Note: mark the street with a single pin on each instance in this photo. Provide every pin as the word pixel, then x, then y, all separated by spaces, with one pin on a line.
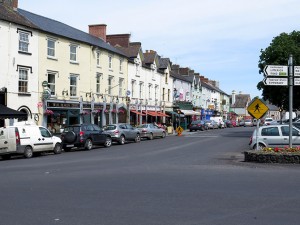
pixel 195 179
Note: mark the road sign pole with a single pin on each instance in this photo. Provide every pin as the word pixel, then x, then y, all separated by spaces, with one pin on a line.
pixel 290 63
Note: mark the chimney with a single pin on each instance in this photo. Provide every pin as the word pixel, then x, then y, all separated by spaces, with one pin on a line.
pixel 11 3
pixel 233 96
pixel 98 30
pixel 118 39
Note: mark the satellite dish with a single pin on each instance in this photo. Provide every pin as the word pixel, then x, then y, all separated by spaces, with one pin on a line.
pixel 128 92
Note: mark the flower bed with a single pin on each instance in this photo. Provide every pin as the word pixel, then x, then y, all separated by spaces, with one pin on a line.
pixel 274 155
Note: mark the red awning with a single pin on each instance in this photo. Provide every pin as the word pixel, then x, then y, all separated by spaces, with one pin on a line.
pixel 136 112
pixel 153 113
pixel 162 114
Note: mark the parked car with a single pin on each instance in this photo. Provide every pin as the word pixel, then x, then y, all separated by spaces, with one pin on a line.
pixel 228 123
pixel 274 136
pixel 242 123
pixel 248 123
pixel 198 125
pixel 84 135
pixel 268 121
pixel 211 124
pixel 254 122
pixel 122 132
pixel 151 131
pixel 27 138
pixel 234 123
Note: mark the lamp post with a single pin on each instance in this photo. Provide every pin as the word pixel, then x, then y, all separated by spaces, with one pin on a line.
pixel 127 99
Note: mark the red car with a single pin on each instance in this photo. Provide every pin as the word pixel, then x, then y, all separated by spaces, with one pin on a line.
pixel 234 123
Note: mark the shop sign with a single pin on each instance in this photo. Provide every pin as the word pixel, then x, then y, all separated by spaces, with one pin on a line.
pixel 63 105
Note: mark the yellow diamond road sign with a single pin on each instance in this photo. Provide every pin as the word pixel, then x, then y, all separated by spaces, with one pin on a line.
pixel 257 108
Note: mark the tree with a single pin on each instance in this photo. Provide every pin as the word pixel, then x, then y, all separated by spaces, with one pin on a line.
pixel 278 54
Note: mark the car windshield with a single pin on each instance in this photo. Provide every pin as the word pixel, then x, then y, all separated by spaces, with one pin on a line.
pixel 142 126
pixel 110 127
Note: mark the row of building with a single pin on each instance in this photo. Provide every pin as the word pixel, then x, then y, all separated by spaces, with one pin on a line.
pixel 59 75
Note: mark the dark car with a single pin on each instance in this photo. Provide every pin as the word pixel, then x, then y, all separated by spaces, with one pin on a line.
pixel 122 132
pixel 84 135
pixel 198 125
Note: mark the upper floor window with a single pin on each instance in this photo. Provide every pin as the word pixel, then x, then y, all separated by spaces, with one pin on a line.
pixel 121 81
pixel 132 88
pixel 23 80
pixel 121 65
pixel 110 66
pixel 98 54
pixel 51 47
pixel 51 82
pixel 149 91
pixel 166 78
pixel 169 93
pixel 73 53
pixel 23 41
pixel 73 85
pixel 163 94
pixel 110 80
pixel 141 90
pixel 98 79
pixel 156 91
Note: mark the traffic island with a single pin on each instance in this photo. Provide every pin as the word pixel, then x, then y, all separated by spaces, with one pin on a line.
pixel 272 157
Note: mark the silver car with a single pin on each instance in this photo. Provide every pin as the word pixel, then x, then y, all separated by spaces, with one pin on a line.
pixel 151 131
pixel 274 136
pixel 122 132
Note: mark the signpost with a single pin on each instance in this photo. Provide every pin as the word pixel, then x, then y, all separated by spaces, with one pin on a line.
pixel 257 108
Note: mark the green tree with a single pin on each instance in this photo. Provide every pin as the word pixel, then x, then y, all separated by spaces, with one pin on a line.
pixel 278 54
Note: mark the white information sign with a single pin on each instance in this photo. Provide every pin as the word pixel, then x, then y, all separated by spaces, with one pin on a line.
pixel 297 81
pixel 276 70
pixel 276 81
pixel 297 71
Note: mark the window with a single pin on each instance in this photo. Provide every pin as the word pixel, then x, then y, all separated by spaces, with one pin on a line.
pixel 110 62
pixel 163 94
pixel 110 79
pixel 23 80
pixel 270 131
pixel 73 85
pixel 121 65
pixel 98 78
pixel 73 53
pixel 286 131
pixel 149 91
pixel 156 89
pixel 98 58
pixel 51 82
pixel 44 132
pixel 169 93
pixel 132 87
pixel 51 47
pixel 141 90
pixel 23 41
pixel 121 80
pixel 166 78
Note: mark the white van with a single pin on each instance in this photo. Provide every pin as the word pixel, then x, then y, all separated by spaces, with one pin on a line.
pixel 27 138
pixel 219 120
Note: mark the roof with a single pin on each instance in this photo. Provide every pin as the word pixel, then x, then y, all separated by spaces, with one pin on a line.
pixel 54 27
pixel 6 112
pixel 7 13
pixel 241 101
pixel 179 77
pixel 132 51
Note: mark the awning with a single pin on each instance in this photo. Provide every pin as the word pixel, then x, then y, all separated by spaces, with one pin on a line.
pixel 136 112
pixel 152 113
pixel 8 113
pixel 190 112
pixel 162 114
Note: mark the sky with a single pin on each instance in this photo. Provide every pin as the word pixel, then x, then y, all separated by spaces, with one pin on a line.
pixel 220 39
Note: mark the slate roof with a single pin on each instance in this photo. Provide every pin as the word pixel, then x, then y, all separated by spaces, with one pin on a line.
pixel 54 27
pixel 132 51
pixel 163 63
pixel 149 57
pixel 179 77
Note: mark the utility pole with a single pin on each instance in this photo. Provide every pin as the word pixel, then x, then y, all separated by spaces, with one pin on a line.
pixel 290 64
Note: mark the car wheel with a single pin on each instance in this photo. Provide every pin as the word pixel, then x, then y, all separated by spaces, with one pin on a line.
pixel 163 135
pixel 57 148
pixel 88 144
pixel 122 140
pixel 137 138
pixel 150 136
pixel 70 137
pixel 28 153
pixel 108 142
pixel 260 146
